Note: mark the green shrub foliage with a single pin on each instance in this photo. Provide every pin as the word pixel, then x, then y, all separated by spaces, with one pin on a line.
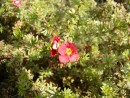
pixel 100 30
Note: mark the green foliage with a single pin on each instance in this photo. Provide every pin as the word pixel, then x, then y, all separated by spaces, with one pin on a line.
pixel 108 90
pixel 24 82
pixel 101 31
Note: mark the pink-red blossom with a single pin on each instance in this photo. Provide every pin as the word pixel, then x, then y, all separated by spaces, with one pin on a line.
pixel 54 45
pixel 68 52
pixel 17 3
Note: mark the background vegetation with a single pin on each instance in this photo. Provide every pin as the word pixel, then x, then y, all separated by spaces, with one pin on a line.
pixel 101 31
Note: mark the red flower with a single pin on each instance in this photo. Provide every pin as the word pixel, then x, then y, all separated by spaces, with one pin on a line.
pixel 55 45
pixel 17 3
pixel 68 52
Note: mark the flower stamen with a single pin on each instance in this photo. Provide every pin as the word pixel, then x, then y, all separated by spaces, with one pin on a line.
pixel 68 51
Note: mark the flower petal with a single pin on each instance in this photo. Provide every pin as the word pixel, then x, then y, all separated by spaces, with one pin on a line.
pixel 55 45
pixel 17 3
pixel 53 52
pixel 74 57
pixel 72 46
pixel 56 38
pixel 63 59
pixel 62 49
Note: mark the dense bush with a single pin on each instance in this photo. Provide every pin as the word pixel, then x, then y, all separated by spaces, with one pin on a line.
pixel 100 31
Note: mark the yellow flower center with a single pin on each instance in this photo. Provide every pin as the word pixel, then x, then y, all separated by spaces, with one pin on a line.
pixel 68 51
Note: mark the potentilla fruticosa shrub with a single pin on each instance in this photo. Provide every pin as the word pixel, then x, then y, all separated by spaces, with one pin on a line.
pixel 64 49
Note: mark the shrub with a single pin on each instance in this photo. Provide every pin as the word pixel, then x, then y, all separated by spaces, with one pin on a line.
pixel 99 30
